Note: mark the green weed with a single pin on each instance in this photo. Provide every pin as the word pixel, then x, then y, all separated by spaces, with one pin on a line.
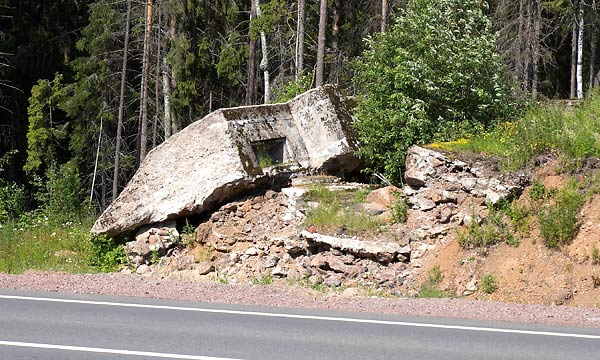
pixel 595 255
pixel 558 219
pixel 488 284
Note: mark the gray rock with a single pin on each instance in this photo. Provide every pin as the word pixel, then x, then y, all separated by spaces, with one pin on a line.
pixel 384 252
pixel 151 239
pixel 217 158
pixel 271 261
pixel 205 268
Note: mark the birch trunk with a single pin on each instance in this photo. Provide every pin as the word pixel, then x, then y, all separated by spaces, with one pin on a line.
pixel 251 60
pixel 580 23
pixel 264 62
pixel 384 10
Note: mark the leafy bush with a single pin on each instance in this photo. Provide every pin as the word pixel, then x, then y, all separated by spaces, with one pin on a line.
pixel 558 220
pixel 58 195
pixel 488 284
pixel 293 88
pixel 105 253
pixel 12 201
pixel 433 76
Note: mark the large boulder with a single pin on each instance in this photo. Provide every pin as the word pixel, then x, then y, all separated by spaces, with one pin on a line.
pixel 231 151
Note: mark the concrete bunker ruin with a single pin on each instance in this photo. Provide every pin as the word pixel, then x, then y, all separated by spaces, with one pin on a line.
pixel 231 151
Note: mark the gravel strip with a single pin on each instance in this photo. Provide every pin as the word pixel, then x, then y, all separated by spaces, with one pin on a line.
pixel 297 297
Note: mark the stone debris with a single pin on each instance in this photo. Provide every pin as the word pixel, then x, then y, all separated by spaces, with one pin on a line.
pixel 263 235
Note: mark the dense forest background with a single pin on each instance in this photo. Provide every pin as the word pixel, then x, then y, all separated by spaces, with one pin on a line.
pixel 87 87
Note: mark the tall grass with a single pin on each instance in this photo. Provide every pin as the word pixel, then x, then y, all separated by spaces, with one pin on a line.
pixel 40 244
pixel 546 128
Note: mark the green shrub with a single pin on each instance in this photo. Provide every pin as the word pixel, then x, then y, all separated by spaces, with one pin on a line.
pixel 492 231
pixel 106 254
pixel 595 255
pixel 293 88
pixel 558 220
pixel 488 284
pixel 434 75
pixel 59 193
pixel 400 209
pixel 12 201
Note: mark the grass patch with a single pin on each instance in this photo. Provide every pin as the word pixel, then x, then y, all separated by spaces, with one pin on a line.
pixel 595 255
pixel 558 218
pixel 430 288
pixel 543 129
pixel 36 243
pixel 490 232
pixel 334 212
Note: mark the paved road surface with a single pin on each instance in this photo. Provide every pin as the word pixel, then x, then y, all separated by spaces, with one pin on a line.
pixel 59 326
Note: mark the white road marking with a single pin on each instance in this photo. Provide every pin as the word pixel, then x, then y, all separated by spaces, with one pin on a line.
pixel 109 351
pixel 305 317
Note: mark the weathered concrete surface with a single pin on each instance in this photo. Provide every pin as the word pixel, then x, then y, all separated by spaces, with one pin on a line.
pixel 218 157
pixel 382 251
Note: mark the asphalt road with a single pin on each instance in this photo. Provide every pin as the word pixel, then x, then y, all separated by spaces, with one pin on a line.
pixel 59 326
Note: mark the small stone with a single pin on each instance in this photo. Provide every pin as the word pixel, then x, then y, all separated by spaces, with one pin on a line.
pixel 271 261
pixel 252 251
pixel 142 269
pixel 204 268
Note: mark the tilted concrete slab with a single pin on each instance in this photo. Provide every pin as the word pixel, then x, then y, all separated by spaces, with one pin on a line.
pixel 220 156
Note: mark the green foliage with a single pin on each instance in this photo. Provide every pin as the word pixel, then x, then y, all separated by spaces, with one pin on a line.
pixel 519 216
pixel 333 212
pixel 106 254
pixel 430 289
pixel 538 190
pixel 434 75
pixel 36 242
pixel 400 209
pixel 263 280
pixel 293 88
pixel 558 219
pixel 59 193
pixel 44 128
pixel 595 255
pixel 12 201
pixel 488 284
pixel 492 231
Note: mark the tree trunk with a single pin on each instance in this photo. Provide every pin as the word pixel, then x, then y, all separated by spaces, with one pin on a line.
pixel 264 63
pixel 144 84
pixel 335 43
pixel 117 164
pixel 300 39
pixel 174 128
pixel 537 18
pixel 593 40
pixel 573 92
pixel 251 60
pixel 321 44
pixel 384 10
pixel 156 82
pixel 580 23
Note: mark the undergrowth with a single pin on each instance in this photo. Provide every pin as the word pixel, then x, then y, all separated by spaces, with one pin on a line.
pixel 334 212
pixel 38 243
